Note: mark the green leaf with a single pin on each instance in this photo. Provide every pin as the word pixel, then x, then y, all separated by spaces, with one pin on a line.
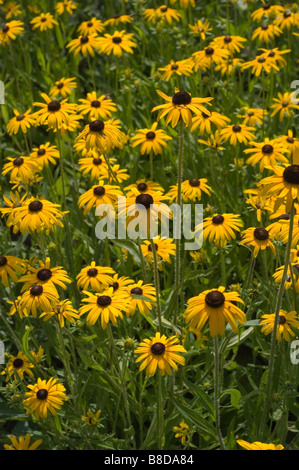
pixel 204 398
pixel 202 424
pixel 131 247
pixel 235 396
pixel 238 339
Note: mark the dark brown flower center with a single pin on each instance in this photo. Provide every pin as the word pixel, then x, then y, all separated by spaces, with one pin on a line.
pixel 142 187
pixel 194 182
pixel 227 39
pixel 237 128
pixel 44 274
pixel 60 85
pixel 43 19
pixel 264 27
pixel 266 7
pixel 250 113
pixel 174 67
pixel 92 272
pixel 116 40
pixel 150 247
pixel 36 290
pixel 145 200
pixel 209 51
pixel 261 233
pixel 96 104
pixel 18 161
pixel 3 260
pixel 158 348
pixel 35 206
pixel 181 98
pixel 218 219
pixel 42 394
pixel 271 54
pixel 89 24
pixel 296 266
pixel 291 174
pixel 96 126
pixel 285 103
pixel 115 286
pixel 97 161
pixel 41 152
pixel 163 9
pixel 205 116
pixel 287 14
pixel 84 40
pixel 281 319
pixel 5 29
pixel 17 363
pixel 20 117
pixel 104 300
pixel 267 148
pixel 136 291
pixel 54 106
pixel 261 60
pixel 290 140
pixel 150 135
pixel 99 191
pixel 215 299
pixel 284 217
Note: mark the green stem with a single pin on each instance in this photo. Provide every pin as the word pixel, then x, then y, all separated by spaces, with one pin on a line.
pixel 160 408
pixel 217 386
pixel 223 268
pixel 268 388
pixel 157 284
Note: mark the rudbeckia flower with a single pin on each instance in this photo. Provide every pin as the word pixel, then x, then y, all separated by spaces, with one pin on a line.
pixel 15 200
pixel 291 143
pixel 201 28
pixel 259 238
pixel 102 136
pixel 66 5
pixel 287 19
pixel 238 134
pixel 37 215
pixel 97 107
pixel 204 121
pixel 180 106
pixel 180 67
pixel 284 105
pixel 159 352
pixel 208 57
pixel 220 228
pixel 92 26
pixel 95 165
pixel 44 21
pixel 18 366
pixel 92 418
pixel 86 45
pixel 22 443
pixel 275 55
pixel 261 63
pixel 62 310
pixel 259 445
pixel 117 43
pixel 164 249
pixel 44 396
pixel 20 169
pixel 181 431
pixel 150 140
pixel 11 9
pixel 267 153
pixel 143 186
pixel 143 290
pixel 191 190
pixel 217 307
pixel 100 193
pixel 94 277
pixel 252 116
pixel 267 10
pixel 44 274
pixel 286 320
pixel 266 33
pixel 10 31
pixel 283 184
pixel 184 3
pixel 53 113
pixel 232 43
pixel 45 154
pixel 21 121
pixel 38 297
pixel 168 14
pixel 118 19
pixel 63 87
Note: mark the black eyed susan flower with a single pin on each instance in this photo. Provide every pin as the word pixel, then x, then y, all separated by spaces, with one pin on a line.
pixel 282 184
pixel 63 87
pixel 92 26
pixel 284 105
pixel 252 116
pixel 100 193
pixel 287 19
pixel 217 307
pixel 191 190
pixel 96 107
pixel 257 445
pixel 204 121
pixel 214 141
pixel 238 133
pixel 62 310
pixel 220 228
pixel 9 267
pixel 180 67
pixel 267 153
pixel 165 248
pixel 159 352
pixel 286 322
pixel 102 136
pixel 22 443
pixel 168 14
pixel 143 186
pixel 201 28
pixel 20 169
pixel 116 20
pixel 11 9
pixel 45 274
pixel 95 165
pixel 20 121
pixel 36 215
pixel 53 113
pixel 267 10
pixel 260 64
pixel 292 144
pixel 14 200
pixel 68 6
pixel 184 3
pixel 84 44
pixel 258 202
pixel 39 297
pixel 115 173
pixel 275 55
pixel 92 418
pixel 43 22
pixel 45 154
pixel 228 66
pixel 117 43
pixel 94 277
pixel 150 140
pixel 181 432
pixel 10 31
pixel 209 57
pixel 44 396
pixel 292 277
pixel 18 366
pixel 152 15
pixel 15 308
pixel 180 106
pixel 266 33
pixel 120 282
pixel 106 306
pixel 259 238
pixel 232 43
pixel 142 305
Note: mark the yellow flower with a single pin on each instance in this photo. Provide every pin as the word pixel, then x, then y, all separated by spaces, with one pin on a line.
pixel 44 21
pixel 283 184
pixel 140 289
pixel 228 66
pixel 150 140
pixel 11 9
pixel 259 445
pixel 117 43
pixel 168 14
pixel 100 193
pixel 261 63
pixel 238 133
pixel 201 28
pixel 283 105
pixel 38 297
pixel 44 274
pixel 214 141
pixel 18 366
pixel 217 307
pixel 20 169
pixel 63 310
pixel 291 143
pixel 94 277
pixel 232 43
pixel 209 56
pixel 92 418
pixel 95 165
pixel 266 33
pixel 118 19
pixel 160 352
pixel 181 431
pixel 102 136
pixel 181 105
pixel 287 19
pixel 16 200
pixel 220 228
pixel 143 186
pixel 20 121
pixel 97 107
pixel 275 55
pixel 10 31
pixel 266 10
pixel 191 190
pixel 252 116
pixel 22 443
pixel 37 215
pixel 286 320
pixel 45 154
pixel 53 113
pixel 184 3
pixel 86 45
pixel 164 249
pixel 180 67
pixel 204 121
pixel 267 153
pixel 259 238
pixel 63 87
pixel 43 397
pixel 92 26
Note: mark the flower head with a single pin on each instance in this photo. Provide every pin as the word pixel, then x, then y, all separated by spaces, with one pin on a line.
pixel 44 396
